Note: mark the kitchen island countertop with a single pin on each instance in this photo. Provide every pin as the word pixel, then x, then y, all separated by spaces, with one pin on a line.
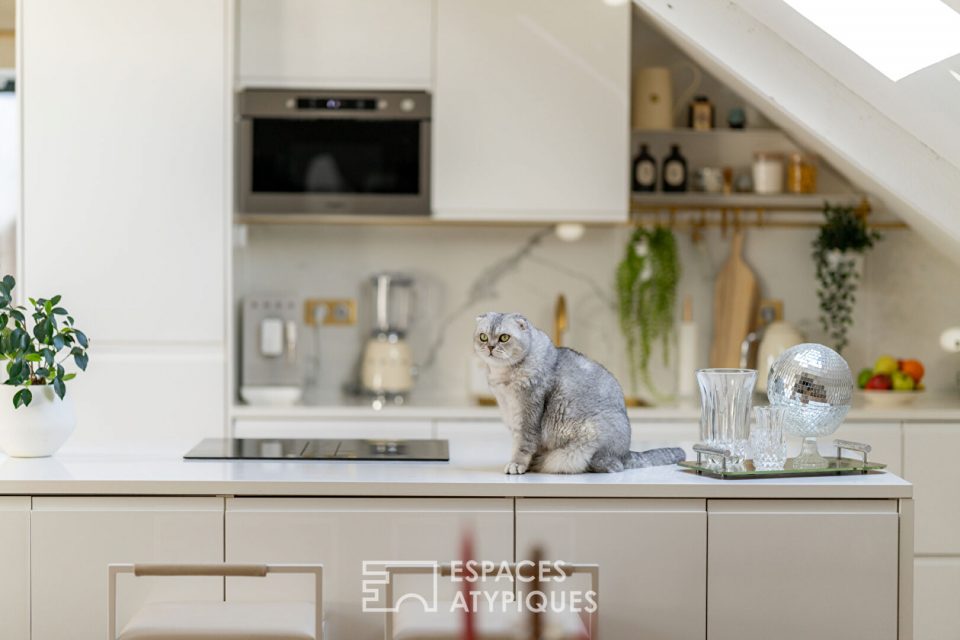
pixel 468 474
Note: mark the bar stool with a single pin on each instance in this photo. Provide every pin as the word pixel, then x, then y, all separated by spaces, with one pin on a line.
pixel 407 619
pixel 221 620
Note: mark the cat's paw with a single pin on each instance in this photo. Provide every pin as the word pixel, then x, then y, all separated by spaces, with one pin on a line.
pixel 515 468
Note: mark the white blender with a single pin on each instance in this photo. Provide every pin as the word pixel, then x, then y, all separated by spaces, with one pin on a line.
pixel 387 366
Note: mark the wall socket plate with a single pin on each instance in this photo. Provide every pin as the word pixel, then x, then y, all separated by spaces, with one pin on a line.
pixel 335 311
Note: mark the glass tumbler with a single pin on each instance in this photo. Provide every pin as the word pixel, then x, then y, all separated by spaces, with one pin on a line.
pixel 725 397
pixel 766 439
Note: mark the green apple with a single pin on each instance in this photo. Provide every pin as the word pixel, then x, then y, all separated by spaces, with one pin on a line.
pixel 902 381
pixel 864 377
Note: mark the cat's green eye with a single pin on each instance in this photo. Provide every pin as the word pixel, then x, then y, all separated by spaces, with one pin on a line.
pixel 483 337
pixel 504 337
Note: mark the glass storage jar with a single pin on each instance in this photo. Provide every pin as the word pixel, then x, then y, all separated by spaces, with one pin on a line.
pixel 801 174
pixel 767 172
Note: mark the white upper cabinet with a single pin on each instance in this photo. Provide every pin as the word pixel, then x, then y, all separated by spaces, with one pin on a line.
pixel 125 122
pixel 531 110
pixel 344 44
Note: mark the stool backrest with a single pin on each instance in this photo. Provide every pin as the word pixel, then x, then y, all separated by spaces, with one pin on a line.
pixel 214 569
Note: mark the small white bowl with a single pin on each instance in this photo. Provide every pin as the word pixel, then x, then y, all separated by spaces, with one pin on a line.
pixel 881 398
pixel 271 396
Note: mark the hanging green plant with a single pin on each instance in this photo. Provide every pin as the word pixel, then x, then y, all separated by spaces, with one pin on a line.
pixel 647 279
pixel 838 252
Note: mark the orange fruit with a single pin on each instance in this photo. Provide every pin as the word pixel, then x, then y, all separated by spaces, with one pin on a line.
pixel 913 368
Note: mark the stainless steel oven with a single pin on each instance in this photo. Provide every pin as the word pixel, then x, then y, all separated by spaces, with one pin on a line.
pixel 362 152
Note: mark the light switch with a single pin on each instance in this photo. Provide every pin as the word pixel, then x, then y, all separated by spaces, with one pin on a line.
pixel 271 337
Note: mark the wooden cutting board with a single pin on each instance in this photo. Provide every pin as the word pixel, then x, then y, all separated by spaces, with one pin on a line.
pixel 735 297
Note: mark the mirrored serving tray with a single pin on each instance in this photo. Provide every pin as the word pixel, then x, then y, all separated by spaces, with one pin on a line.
pixel 745 471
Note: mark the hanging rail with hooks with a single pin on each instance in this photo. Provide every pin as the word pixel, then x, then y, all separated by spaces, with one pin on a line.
pixel 688 212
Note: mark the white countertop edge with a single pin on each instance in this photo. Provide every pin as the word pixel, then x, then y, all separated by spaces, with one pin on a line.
pixel 753 490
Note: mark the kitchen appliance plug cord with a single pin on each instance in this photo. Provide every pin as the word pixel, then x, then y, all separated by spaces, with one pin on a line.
pixel 319 317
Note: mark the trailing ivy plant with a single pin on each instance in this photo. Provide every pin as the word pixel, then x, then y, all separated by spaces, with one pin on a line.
pixel 36 356
pixel 843 238
pixel 647 279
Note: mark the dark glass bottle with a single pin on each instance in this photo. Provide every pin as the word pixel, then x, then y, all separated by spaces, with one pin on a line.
pixel 674 171
pixel 644 171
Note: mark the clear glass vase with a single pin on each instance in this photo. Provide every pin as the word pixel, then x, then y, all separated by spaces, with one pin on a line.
pixel 725 398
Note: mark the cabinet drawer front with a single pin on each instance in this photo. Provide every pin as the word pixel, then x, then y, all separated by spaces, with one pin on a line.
pixel 343 533
pixel 651 555
pixel 74 539
pixel 333 428
pixel 648 435
pixel 15 561
pixel 771 561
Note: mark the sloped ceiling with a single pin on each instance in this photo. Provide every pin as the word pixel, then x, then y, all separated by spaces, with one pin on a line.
pixel 898 141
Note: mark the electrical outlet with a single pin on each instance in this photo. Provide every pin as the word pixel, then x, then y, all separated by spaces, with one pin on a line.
pixel 330 311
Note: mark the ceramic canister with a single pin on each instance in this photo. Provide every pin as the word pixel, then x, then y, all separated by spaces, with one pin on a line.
pixel 652 99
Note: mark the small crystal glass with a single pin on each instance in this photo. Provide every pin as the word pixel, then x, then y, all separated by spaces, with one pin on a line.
pixel 766 439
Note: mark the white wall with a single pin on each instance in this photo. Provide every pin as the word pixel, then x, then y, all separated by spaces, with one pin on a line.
pixel 902 308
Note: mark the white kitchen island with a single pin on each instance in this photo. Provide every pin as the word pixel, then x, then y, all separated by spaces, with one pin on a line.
pixel 681 556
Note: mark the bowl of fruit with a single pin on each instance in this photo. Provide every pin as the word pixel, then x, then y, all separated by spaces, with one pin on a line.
pixel 891 382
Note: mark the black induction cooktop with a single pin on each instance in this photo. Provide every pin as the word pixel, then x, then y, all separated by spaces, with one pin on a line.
pixel 329 449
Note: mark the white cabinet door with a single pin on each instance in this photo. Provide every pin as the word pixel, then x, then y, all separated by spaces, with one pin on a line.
pixel 929 457
pixel 798 569
pixel 652 557
pixel 74 539
pixel 360 44
pixel 125 122
pixel 342 533
pixel 936 608
pixel 15 572
pixel 531 102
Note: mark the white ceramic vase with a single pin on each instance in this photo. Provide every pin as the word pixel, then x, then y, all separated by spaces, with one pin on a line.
pixel 38 430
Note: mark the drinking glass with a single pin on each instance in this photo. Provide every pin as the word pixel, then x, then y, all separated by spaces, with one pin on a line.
pixel 725 397
pixel 766 439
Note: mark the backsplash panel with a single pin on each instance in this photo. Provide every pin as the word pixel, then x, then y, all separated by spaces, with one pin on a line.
pixel 463 271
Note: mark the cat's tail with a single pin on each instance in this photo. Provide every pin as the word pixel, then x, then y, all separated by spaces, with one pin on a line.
pixel 656 457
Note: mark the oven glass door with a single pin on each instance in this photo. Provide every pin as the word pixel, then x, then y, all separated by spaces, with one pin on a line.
pixel 336 156
pixel 336 165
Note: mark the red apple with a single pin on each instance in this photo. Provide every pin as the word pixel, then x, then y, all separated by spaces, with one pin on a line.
pixel 880 381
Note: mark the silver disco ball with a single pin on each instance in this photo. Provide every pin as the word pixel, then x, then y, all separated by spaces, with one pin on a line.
pixel 815 384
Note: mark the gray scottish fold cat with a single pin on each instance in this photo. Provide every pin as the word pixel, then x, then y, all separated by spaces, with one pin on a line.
pixel 565 411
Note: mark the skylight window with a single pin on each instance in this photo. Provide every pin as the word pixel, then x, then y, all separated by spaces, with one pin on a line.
pixel 897 37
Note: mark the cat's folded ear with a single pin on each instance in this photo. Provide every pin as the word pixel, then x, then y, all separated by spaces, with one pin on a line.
pixel 521 320
pixel 483 316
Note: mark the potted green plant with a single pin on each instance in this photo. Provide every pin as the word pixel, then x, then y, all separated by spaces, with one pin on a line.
pixel 838 252
pixel 36 415
pixel 647 279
